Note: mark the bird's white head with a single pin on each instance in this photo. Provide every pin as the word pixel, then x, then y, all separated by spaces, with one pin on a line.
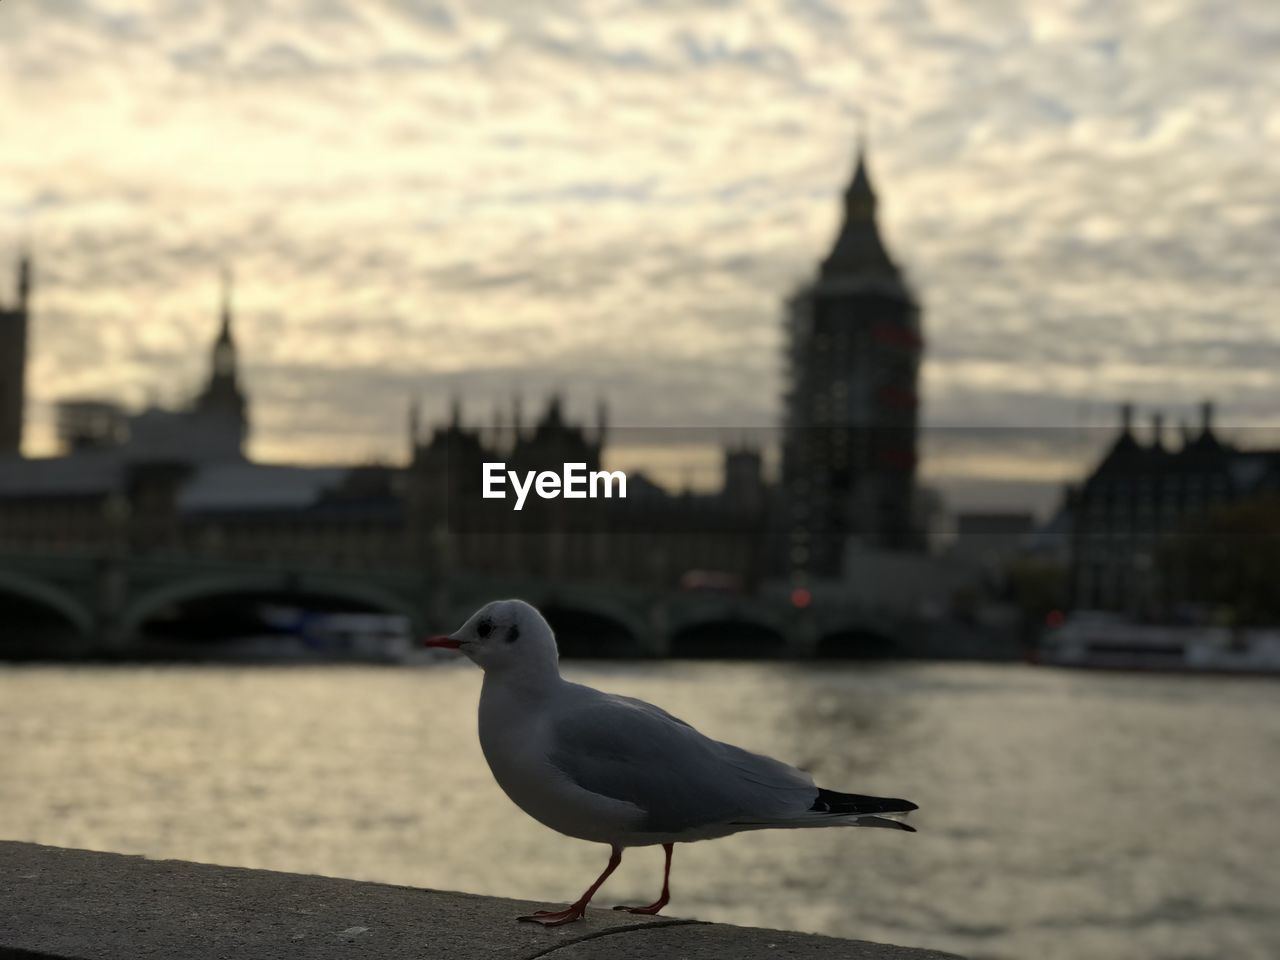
pixel 502 636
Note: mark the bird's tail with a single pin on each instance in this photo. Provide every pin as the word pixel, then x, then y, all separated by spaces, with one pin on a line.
pixel 868 821
pixel 859 810
pixel 832 809
pixel 829 801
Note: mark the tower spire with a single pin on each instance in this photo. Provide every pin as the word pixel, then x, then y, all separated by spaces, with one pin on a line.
pixel 554 415
pixel 222 399
pixel 860 199
pixel 858 250
pixel 227 286
pixel 13 360
pixel 24 279
pixel 224 348
pixel 415 423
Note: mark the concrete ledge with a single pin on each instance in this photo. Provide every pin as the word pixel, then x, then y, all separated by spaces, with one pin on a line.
pixel 81 905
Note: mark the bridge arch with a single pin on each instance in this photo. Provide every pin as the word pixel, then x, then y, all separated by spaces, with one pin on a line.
pixel 50 597
pixel 586 630
pixel 585 627
pixel 281 587
pixel 47 622
pixel 718 627
pixel 856 642
pixel 728 637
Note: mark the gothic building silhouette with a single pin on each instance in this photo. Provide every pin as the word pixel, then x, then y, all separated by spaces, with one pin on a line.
pixel 848 468
pixel 852 398
pixel 214 426
pixel 654 536
pixel 1140 496
pixel 222 397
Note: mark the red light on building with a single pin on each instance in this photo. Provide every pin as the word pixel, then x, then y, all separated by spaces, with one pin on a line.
pixel 897 336
pixel 897 397
pixel 801 598
pixel 1055 618
pixel 896 458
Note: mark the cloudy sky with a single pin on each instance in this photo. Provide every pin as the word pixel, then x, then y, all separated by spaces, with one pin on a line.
pixel 612 196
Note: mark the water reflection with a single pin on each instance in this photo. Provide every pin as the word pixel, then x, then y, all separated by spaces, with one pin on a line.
pixel 1062 814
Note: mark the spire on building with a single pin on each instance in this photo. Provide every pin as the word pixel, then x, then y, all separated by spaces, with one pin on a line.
pixel 554 416
pixel 517 417
pixel 1125 444
pixel 1207 439
pixel 415 422
pixel 224 333
pixel 13 360
pixel 222 398
pixel 1206 418
pixel 853 369
pixel 858 250
pixel 499 426
pixel 602 421
pixel 24 280
pixel 224 349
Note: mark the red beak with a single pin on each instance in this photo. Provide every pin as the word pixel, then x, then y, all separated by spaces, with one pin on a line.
pixel 442 640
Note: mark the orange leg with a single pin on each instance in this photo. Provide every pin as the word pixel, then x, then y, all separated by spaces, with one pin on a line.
pixel 553 918
pixel 653 908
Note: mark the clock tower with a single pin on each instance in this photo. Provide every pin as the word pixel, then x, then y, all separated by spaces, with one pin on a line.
pixel 854 345
pixel 222 398
pixel 13 361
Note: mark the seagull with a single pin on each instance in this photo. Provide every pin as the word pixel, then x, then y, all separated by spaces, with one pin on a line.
pixel 619 771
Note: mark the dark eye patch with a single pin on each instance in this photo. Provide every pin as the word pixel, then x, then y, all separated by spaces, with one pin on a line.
pixel 513 634
pixel 484 628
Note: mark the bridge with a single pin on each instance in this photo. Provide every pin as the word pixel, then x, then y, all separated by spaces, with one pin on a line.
pixel 79 602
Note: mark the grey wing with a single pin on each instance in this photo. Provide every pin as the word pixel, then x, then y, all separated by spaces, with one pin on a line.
pixel 631 750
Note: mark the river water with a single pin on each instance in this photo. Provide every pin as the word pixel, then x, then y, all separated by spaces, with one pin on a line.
pixel 1063 814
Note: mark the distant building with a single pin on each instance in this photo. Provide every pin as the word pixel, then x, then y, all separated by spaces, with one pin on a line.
pixel 14 321
pixel 165 481
pixel 652 537
pixel 88 424
pixel 349 516
pixel 123 474
pixel 852 398
pixel 992 538
pixel 212 428
pixel 221 405
pixel 96 498
pixel 743 472
pixel 179 479
pixel 1140 495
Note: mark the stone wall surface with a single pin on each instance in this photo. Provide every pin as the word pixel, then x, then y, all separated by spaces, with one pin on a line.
pixel 83 905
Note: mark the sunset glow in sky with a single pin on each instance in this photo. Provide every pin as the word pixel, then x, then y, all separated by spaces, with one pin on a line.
pixel 612 197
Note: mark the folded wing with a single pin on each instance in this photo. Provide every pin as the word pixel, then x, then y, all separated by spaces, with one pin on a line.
pixel 630 750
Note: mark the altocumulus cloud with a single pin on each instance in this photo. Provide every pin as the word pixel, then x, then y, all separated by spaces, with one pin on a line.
pixel 428 196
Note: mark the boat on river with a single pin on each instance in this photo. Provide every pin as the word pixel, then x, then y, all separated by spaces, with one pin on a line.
pixel 1092 639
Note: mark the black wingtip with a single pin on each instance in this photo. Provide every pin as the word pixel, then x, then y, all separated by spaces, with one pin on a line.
pixel 831 801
